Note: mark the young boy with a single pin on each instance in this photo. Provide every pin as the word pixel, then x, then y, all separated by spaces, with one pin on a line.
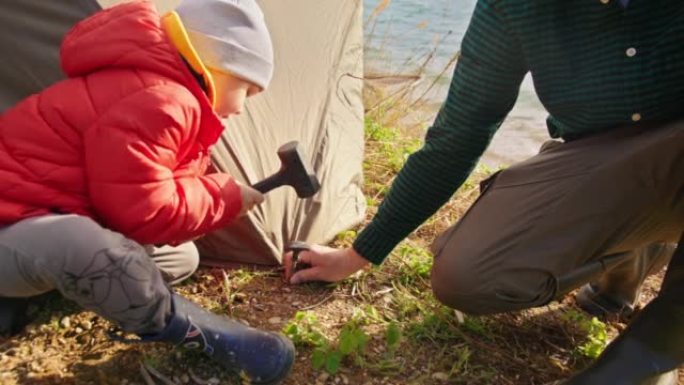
pixel 105 172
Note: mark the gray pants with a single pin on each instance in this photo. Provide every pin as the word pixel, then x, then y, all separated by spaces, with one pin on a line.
pixel 99 269
pixel 572 204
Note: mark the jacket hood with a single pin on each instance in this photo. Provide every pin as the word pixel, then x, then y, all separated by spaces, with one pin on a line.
pixel 127 36
pixel 131 36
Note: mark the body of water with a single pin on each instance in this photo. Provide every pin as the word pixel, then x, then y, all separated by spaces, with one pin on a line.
pixel 399 39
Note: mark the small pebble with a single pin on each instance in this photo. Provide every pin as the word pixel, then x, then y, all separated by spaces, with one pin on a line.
pixel 79 330
pixel 35 367
pixel 274 320
pixel 439 376
pixel 87 325
pixel 214 381
pixel 65 322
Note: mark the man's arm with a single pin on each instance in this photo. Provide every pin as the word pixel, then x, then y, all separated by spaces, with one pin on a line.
pixel 483 90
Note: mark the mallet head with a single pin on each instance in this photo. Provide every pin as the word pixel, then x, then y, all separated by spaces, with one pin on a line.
pixel 295 171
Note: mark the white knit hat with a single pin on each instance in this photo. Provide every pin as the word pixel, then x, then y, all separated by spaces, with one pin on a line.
pixel 230 35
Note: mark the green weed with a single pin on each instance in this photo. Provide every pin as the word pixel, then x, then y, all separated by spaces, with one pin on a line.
pixel 392 147
pixel 415 263
pixel 304 330
pixel 596 333
pixel 393 337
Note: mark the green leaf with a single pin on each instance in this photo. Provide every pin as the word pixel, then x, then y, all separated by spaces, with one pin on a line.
pixel 333 361
pixel 597 338
pixel 347 341
pixel 392 335
pixel 360 339
pixel 318 358
pixel 291 330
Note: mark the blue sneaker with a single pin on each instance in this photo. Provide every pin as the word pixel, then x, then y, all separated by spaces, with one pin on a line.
pixel 264 357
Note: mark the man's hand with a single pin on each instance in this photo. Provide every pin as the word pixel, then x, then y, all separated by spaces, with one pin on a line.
pixel 327 264
pixel 250 198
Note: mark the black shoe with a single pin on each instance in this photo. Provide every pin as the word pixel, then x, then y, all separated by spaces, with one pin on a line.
pixel 669 378
pixel 598 305
pixel 640 356
pixel 617 292
pixel 264 357
pixel 13 315
pixel 651 349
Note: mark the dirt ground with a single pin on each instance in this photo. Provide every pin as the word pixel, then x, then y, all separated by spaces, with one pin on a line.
pixel 431 344
pixel 66 346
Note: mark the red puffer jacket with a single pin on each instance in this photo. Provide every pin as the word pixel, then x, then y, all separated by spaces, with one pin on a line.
pixel 124 140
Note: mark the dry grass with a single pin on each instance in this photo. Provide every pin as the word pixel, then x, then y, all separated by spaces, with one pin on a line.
pixel 401 99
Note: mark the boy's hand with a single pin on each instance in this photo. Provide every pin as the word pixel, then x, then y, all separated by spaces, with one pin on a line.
pixel 250 198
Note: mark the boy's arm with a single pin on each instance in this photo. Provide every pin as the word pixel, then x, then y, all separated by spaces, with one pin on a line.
pixel 131 155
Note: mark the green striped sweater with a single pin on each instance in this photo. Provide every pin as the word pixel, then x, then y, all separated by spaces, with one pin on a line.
pixel 595 66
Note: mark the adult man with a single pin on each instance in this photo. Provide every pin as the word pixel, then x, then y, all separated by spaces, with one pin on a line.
pixel 598 208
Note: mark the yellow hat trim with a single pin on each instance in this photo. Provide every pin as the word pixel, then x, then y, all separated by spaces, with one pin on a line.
pixel 172 24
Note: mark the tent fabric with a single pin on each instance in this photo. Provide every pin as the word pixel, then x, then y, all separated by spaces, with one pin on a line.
pixel 314 98
pixel 30 34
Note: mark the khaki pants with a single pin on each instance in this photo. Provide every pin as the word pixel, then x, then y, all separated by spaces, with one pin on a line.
pixel 99 269
pixel 560 211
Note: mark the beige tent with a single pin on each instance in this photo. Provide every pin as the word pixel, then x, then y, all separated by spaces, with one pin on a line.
pixel 315 98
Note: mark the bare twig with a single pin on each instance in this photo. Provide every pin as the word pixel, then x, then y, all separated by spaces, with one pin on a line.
pixel 197 379
pixel 161 377
pixel 145 375
pixel 376 11
pixel 319 303
pixel 434 82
